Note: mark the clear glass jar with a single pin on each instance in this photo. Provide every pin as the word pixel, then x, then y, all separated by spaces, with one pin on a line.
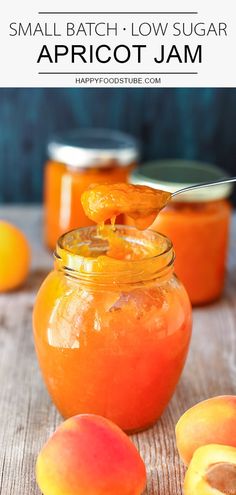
pixel 197 222
pixel 76 160
pixel 112 335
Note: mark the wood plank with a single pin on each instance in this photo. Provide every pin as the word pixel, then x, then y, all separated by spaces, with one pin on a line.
pixel 27 415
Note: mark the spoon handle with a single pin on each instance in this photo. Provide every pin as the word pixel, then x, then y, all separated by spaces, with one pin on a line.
pixel 204 184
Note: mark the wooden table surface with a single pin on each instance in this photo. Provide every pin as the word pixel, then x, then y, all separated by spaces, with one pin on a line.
pixel 27 416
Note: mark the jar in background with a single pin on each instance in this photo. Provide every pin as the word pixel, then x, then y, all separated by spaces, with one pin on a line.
pixel 197 222
pixel 112 335
pixel 76 160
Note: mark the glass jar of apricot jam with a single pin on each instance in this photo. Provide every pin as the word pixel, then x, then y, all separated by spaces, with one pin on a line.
pixel 112 335
pixel 76 160
pixel 197 223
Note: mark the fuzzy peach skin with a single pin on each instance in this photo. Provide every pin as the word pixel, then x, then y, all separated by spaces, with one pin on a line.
pixel 90 455
pixel 210 421
pixel 212 471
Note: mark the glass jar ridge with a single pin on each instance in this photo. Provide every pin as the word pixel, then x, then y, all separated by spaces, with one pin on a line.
pixel 99 269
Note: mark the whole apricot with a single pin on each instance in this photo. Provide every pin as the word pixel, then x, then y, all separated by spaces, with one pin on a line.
pixel 14 257
pixel 90 455
pixel 210 421
pixel 212 470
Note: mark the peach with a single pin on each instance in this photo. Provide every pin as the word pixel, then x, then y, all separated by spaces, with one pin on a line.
pixel 90 455
pixel 210 421
pixel 212 470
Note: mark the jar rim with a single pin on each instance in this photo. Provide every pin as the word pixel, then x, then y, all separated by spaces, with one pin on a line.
pixel 106 269
pixel 93 147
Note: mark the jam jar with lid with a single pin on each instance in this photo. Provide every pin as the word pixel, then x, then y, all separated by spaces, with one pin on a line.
pixel 76 160
pixel 197 222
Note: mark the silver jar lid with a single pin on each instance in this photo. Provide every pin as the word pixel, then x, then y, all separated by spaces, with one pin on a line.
pixel 172 175
pixel 88 148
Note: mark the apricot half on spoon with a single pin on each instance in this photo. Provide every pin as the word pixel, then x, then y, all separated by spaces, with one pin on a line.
pixel 103 202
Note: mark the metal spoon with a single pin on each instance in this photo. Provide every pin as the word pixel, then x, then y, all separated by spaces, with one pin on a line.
pixel 203 184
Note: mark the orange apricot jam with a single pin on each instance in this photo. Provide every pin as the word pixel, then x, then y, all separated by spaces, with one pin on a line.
pixel 199 232
pixel 197 222
pixel 63 190
pixel 103 202
pixel 77 160
pixel 112 328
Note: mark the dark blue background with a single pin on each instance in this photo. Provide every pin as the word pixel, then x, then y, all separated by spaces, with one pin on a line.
pixel 171 123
